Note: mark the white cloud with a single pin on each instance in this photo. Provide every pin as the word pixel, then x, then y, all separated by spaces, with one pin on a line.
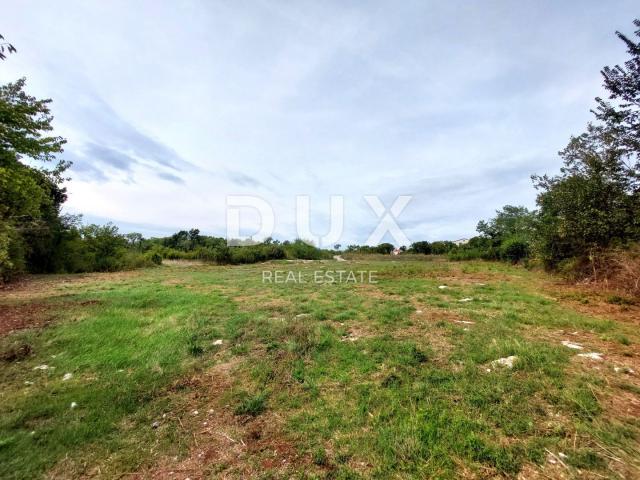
pixel 456 103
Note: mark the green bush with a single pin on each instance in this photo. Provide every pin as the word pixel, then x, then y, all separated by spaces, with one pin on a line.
pixel 302 250
pixel 514 250
pixel 154 257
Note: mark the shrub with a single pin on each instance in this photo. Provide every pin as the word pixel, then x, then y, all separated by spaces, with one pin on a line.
pixel 154 257
pixel 514 249
pixel 302 250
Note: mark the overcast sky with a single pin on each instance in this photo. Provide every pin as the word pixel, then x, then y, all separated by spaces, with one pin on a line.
pixel 168 107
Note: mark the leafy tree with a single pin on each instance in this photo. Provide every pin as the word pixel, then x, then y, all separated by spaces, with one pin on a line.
pixel 134 240
pixel 620 116
pixel 30 194
pixel 595 200
pixel 105 246
pixel 441 247
pixel 421 247
pixel 509 222
pixel 385 248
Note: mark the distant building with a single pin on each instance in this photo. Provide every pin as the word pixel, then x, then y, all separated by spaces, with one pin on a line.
pixel 461 241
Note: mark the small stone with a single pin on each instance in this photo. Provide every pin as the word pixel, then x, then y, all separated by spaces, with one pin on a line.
pixel 303 315
pixel 195 412
pixel 418 311
pixel 27 382
pixel 505 362
pixel 42 367
pixel 464 300
pixel 591 355
pixel 442 287
pixel 67 376
pixel 155 424
pixel 74 405
pixel 211 410
pixel 218 342
pixel 573 346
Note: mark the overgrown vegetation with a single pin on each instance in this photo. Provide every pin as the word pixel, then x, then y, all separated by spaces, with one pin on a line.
pixel 343 381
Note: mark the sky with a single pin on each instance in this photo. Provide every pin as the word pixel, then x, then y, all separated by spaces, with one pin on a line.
pixel 169 108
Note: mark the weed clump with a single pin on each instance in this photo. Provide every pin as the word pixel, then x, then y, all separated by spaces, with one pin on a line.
pixel 252 405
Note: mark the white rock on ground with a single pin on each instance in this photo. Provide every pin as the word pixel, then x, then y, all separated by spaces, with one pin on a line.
pixel 464 300
pixel 442 287
pixel 67 376
pixel 218 342
pixel 302 315
pixel 74 404
pixel 574 346
pixel 42 367
pixel 505 362
pixel 591 355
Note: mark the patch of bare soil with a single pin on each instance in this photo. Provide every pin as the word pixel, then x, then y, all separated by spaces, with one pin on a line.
pixel 225 445
pixel 37 287
pixel 589 300
pixel 183 263
pixel 19 317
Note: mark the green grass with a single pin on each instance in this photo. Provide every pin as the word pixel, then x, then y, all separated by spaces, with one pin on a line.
pixel 360 379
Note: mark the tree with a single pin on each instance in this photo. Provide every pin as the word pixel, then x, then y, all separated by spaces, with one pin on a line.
pixel 621 116
pixel 30 194
pixel 385 248
pixel 423 247
pixel 5 48
pixel 509 222
pixel 592 204
pixel 134 239
pixel 595 200
pixel 105 246
pixel 441 247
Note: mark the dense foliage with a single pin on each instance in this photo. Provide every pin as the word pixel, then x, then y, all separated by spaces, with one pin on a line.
pixel 594 202
pixel 383 248
pixel 190 245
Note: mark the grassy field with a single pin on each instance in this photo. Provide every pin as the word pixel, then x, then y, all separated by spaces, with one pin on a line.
pixel 197 371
